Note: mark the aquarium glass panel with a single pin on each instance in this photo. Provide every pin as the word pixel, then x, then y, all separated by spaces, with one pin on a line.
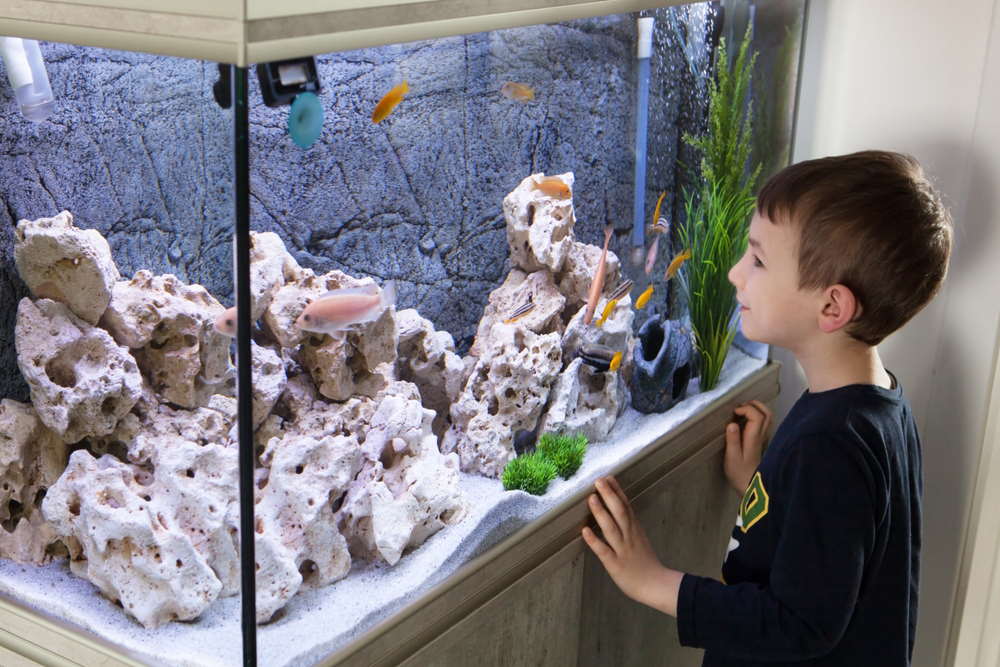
pixel 438 365
pixel 118 473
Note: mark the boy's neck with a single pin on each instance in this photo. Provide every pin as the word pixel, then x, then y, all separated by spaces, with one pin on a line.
pixel 838 365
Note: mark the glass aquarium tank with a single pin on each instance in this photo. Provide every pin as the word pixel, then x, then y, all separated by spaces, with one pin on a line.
pixel 473 276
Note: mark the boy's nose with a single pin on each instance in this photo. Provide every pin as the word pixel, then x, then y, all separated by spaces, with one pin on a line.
pixel 733 274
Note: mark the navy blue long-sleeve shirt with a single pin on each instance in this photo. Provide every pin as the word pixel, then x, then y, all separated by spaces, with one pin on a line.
pixel 823 564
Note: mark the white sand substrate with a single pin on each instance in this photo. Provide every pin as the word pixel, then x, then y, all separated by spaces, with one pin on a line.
pixel 315 623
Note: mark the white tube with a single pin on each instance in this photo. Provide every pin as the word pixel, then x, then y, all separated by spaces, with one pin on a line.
pixel 645 41
pixel 26 72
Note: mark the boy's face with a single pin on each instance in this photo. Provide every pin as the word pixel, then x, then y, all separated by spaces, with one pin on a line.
pixel 773 308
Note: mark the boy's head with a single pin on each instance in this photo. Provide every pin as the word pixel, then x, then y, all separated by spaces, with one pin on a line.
pixel 856 242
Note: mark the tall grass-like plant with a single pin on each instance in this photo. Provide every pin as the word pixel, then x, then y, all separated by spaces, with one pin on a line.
pixel 718 212
pixel 715 231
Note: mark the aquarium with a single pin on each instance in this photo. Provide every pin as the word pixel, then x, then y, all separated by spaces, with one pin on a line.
pixel 470 286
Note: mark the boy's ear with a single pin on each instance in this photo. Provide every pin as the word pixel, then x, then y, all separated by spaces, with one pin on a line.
pixel 840 307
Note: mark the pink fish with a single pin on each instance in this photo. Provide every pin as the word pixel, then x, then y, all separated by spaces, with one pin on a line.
pixel 651 255
pixel 225 323
pixel 337 310
pixel 597 286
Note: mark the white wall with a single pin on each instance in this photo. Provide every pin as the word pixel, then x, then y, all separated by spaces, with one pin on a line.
pixel 912 75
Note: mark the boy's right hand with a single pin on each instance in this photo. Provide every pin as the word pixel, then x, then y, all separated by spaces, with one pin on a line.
pixel 744 449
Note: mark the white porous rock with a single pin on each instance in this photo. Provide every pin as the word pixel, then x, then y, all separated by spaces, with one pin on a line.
pixel 515 291
pixel 507 391
pixel 144 438
pixel 165 547
pixel 269 381
pixel 427 358
pixel 271 266
pixel 297 541
pixel 59 261
pixel 302 411
pixel 585 401
pixel 81 382
pixel 539 226
pixel 31 460
pixel 578 273
pixel 407 490
pixel 171 328
pixel 615 333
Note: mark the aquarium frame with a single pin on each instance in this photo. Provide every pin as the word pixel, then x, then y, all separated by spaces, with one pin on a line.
pixel 243 32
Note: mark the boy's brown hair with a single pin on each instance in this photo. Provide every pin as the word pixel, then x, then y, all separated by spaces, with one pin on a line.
pixel 870 221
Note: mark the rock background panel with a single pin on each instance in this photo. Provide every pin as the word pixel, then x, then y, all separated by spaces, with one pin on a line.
pixel 139 151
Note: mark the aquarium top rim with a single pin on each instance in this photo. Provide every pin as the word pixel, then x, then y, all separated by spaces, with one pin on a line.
pixel 244 32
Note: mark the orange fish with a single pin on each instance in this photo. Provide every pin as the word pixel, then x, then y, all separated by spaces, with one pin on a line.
pixel 389 102
pixel 656 211
pixel 340 308
pixel 597 286
pixel 520 92
pixel 225 323
pixel 675 264
pixel 616 362
pixel 553 187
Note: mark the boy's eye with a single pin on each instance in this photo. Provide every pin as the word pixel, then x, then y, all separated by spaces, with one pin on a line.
pixel 757 262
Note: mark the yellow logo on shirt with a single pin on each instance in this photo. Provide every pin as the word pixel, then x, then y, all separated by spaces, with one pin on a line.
pixel 755 503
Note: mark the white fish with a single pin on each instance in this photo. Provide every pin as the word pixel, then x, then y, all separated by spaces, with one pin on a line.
pixel 338 309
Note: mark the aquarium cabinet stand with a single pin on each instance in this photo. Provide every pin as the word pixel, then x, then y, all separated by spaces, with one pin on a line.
pixel 538 597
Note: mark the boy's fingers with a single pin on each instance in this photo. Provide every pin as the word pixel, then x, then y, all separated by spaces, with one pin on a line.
pixel 606 522
pixel 600 549
pixel 614 504
pixel 621 494
pixel 768 415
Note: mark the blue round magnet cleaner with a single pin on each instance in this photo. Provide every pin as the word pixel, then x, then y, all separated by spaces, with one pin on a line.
pixel 305 119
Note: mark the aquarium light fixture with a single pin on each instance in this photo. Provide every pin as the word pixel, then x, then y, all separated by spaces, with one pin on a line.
pixel 26 72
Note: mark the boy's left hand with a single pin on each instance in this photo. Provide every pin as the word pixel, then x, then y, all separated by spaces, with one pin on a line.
pixel 625 551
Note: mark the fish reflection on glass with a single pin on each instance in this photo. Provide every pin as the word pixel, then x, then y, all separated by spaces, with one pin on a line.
pixel 389 102
pixel 225 323
pixel 620 291
pixel 644 298
pixel 553 187
pixel 520 312
pixel 520 92
pixel 608 309
pixel 597 286
pixel 601 358
pixel 676 263
pixel 338 309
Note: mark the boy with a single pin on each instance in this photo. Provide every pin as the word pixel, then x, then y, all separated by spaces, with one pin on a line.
pixel 823 562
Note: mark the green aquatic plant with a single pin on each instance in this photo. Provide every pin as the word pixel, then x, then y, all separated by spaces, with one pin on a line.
pixel 531 473
pixel 718 212
pixel 565 452
pixel 715 231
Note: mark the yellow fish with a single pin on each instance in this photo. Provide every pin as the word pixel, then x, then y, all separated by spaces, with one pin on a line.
pixel 389 102
pixel 616 362
pixel 553 187
pixel 644 298
pixel 676 263
pixel 607 311
pixel 521 92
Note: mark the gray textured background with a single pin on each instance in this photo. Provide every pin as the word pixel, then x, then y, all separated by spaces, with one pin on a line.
pixel 139 150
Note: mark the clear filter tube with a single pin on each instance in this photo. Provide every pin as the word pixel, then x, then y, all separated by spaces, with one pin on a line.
pixel 26 72
pixel 643 53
